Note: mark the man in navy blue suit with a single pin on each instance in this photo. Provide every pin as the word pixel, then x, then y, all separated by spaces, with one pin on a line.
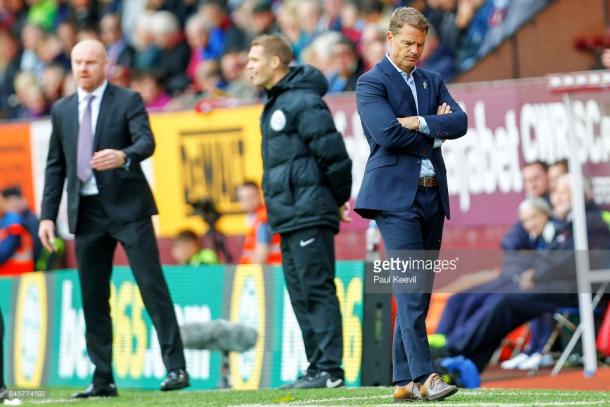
pixel 406 114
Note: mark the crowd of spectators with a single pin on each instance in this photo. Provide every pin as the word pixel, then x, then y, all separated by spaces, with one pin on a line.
pixel 176 52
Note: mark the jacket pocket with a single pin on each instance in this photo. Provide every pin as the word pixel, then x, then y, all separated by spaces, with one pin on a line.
pixel 381 161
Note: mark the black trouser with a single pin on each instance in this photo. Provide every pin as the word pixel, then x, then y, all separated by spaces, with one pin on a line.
pixel 96 240
pixel 308 261
pixel 2 384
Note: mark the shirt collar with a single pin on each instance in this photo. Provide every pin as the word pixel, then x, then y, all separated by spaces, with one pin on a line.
pixel 400 71
pixel 98 92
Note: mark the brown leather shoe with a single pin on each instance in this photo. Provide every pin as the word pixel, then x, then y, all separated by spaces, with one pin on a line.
pixel 435 388
pixel 408 392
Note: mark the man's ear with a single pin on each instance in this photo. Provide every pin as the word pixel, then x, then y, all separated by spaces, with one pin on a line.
pixel 275 62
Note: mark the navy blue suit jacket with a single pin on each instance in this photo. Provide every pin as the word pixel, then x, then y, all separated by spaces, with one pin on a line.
pixel 392 170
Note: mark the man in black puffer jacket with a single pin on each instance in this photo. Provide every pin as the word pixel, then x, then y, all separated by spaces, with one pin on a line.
pixel 306 182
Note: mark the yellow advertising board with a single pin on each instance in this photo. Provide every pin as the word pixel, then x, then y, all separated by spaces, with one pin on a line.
pixel 204 156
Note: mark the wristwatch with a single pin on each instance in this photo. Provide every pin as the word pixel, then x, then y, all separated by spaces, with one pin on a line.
pixel 127 163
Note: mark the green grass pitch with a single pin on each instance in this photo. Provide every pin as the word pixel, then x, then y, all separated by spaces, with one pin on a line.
pixel 372 396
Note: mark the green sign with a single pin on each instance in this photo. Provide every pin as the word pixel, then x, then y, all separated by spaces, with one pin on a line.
pixel 45 337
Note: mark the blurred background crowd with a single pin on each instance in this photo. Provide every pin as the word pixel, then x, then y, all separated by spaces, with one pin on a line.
pixel 178 52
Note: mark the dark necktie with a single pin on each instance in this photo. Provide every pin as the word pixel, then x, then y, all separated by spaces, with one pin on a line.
pixel 85 143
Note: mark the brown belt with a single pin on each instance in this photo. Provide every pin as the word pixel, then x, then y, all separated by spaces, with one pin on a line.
pixel 428 182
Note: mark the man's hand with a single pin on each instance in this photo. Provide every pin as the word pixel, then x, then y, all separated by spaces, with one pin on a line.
pixel 526 280
pixel 409 122
pixel 344 213
pixel 46 233
pixel 443 109
pixel 107 159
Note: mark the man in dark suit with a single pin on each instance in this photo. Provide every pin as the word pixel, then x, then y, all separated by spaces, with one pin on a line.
pixel 406 114
pixel 99 137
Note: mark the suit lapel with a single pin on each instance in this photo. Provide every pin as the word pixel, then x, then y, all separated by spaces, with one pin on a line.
pixel 398 81
pixel 72 126
pixel 101 117
pixel 422 86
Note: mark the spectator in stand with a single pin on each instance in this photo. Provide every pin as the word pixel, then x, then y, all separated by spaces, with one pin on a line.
pixel 224 33
pixel 42 13
pixel 233 71
pixel 67 33
pixel 15 202
pixel 9 67
pixel 52 82
pixel 605 58
pixel 289 23
pixel 151 89
pixel 187 249
pixel 15 16
pixel 32 39
pixel 84 13
pixel 309 13
pixel 556 170
pixel 120 53
pixel 197 32
pixel 535 184
pixel 263 19
pixel 52 52
pixel 372 44
pixel 16 247
pixel 351 23
pixel 331 16
pixel 148 53
pixel 260 245
pixel 347 67
pixel 175 52
pixel 319 53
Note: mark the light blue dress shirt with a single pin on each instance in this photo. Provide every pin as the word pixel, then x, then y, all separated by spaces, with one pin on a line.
pixel 427 169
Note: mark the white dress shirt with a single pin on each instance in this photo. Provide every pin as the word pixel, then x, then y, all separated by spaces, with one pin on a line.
pixel 427 169
pixel 90 187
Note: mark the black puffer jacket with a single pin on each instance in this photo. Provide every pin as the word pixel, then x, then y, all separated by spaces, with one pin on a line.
pixel 307 174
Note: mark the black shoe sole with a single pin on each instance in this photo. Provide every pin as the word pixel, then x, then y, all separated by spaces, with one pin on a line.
pixel 175 387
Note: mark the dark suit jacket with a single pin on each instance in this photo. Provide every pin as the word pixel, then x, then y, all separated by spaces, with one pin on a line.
pixel 393 168
pixel 122 124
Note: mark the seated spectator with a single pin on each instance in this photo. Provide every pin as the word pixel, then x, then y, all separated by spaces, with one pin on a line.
pixel 148 85
pixel 351 23
pixel 187 249
pixel 42 13
pixel 175 53
pixel 9 68
pixel 260 245
pixel 16 247
pixel 32 40
pixel 233 71
pixel 535 184
pixel 148 53
pixel 555 171
pixel 549 285
pixel 197 36
pixel 119 52
pixel 309 13
pixel 319 53
pixel 224 33
pixel 52 82
pixel 464 309
pixel 348 67
pixel 15 202
pixel 372 45
pixel 263 20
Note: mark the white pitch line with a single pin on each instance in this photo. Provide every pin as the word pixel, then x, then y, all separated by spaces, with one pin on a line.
pixel 49 401
pixel 556 403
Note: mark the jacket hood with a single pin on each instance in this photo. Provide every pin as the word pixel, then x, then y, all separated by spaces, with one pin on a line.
pixel 301 77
